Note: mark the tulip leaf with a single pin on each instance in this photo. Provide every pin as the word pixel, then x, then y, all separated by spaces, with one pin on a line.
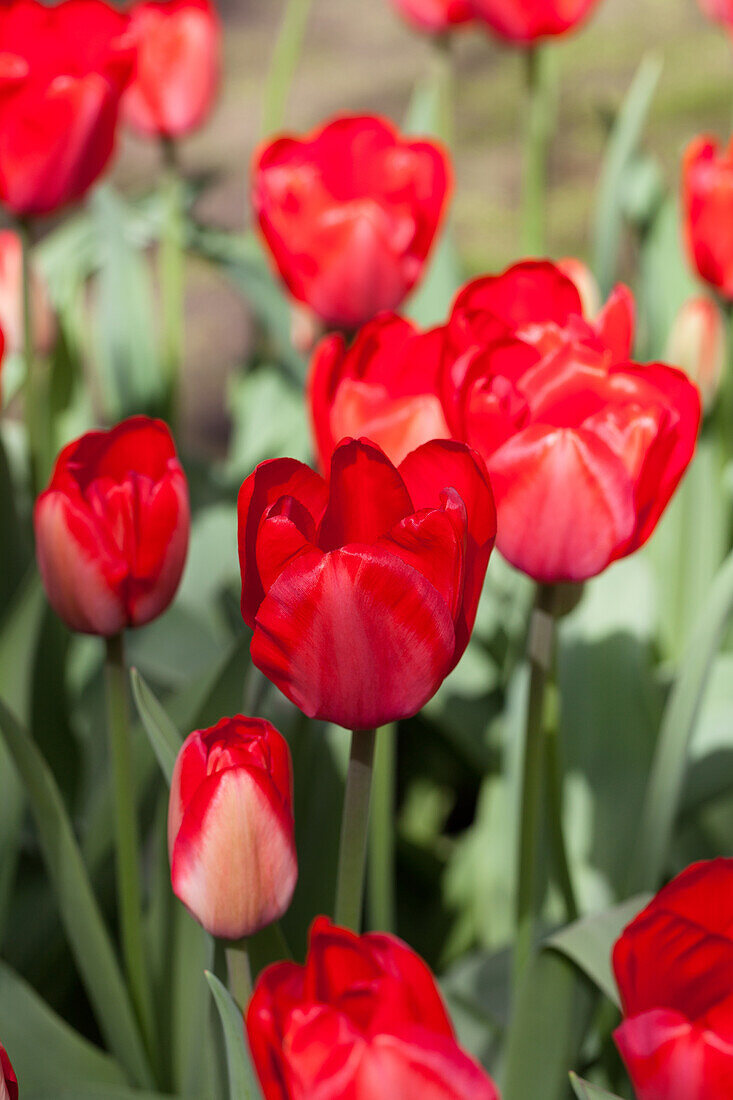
pixel 95 1092
pixel 589 942
pixel 163 735
pixel 585 1091
pixel 80 915
pixel 242 1083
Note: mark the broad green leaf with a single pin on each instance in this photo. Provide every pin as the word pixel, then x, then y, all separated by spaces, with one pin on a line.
pixel 665 280
pixel 28 1026
pixel 589 942
pixel 242 1083
pixel 585 1091
pixel 193 955
pixel 80 915
pixel 163 735
pixel 664 788
pixel 269 420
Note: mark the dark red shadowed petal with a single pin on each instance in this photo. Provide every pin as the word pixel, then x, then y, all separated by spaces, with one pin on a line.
pixel 325 372
pixel 286 532
pixel 434 543
pixel 278 991
pixel 336 962
pixel 400 961
pixel 367 496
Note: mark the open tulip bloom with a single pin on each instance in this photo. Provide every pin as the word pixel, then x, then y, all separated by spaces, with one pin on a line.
pixel 523 22
pixel 362 591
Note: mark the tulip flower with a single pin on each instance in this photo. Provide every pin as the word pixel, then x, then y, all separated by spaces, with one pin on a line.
pixel 8 1080
pixel 674 967
pixel 435 16
pixel 697 344
pixel 583 447
pixel 64 69
pixel 11 298
pixel 230 827
pixel 112 528
pixel 349 214
pixel 177 66
pixel 524 22
pixel 707 195
pixel 362 592
pixel 361 1020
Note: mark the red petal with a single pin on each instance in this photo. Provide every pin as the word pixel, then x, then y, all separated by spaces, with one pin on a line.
pixel 367 496
pixel 434 544
pixel 529 293
pixel 420 1064
pixel 668 1058
pixel 616 322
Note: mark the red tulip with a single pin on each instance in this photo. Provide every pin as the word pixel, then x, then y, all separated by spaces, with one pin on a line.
pixel 112 528
pixel 177 66
pixel 523 22
pixel 11 298
pixel 385 387
pixel 697 344
pixel 8 1080
pixel 64 70
pixel 674 969
pixel 435 16
pixel 362 594
pixel 720 11
pixel 707 194
pixel 362 1020
pixel 584 448
pixel 230 827
pixel 349 214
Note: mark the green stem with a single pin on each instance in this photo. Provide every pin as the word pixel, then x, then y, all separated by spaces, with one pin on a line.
pixel 381 866
pixel 442 83
pixel 129 893
pixel 284 62
pixel 172 256
pixel 557 832
pixel 540 112
pixel 240 973
pixel 354 831
pixel 541 647
pixel 32 397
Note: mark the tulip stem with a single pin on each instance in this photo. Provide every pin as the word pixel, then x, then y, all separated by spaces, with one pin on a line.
pixel 557 832
pixel 284 61
pixel 381 834
pixel 129 892
pixel 354 831
pixel 172 252
pixel 240 973
pixel 540 650
pixel 540 111
pixel 32 396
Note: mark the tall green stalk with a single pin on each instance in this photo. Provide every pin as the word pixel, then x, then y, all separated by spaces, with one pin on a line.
pixel 240 973
pixel 381 869
pixel 354 831
pixel 32 394
pixel 284 62
pixel 172 258
pixel 539 127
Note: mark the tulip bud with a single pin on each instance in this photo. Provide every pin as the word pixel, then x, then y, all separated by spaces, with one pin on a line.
pixel 697 344
pixel 11 299
pixel 8 1080
pixel 434 16
pixel 585 281
pixel 230 827
pixel 112 528
pixel 525 22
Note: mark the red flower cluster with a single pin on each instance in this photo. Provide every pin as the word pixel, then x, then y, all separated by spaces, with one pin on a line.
pixel 362 1020
pixel 674 969
pixel 349 214
pixel 362 592
pixel 583 447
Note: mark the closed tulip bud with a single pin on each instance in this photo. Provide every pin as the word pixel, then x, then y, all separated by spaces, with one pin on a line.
pixel 674 967
pixel 8 1080
pixel 230 827
pixel 524 22
pixel 177 66
pixel 112 528
pixel 363 1020
pixel 435 16
pixel 697 344
pixel 11 299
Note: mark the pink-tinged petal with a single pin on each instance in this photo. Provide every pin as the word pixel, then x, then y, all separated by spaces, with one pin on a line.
pixel 270 482
pixel 367 496
pixel 434 543
pixel 543 529
pixel 669 1058
pixel 233 862
pixel 421 1064
pixel 616 323
pixel 321 1055
pixel 396 424
pixel 354 637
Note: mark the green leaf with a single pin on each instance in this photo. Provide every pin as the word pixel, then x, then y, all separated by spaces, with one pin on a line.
pixel 589 942
pixel 242 1082
pixel 269 420
pixel 163 735
pixel 28 1026
pixel 585 1091
pixel 666 781
pixel 193 955
pixel 94 1092
pixel 79 911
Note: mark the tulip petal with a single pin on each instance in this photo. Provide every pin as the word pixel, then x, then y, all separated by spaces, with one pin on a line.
pixel 616 322
pixel 669 1058
pixel 434 543
pixel 421 1064
pixel 367 496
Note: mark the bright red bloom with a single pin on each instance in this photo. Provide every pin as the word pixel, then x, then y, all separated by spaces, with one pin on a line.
pixel 584 448
pixel 525 21
pixel 385 386
pixel 177 66
pixel 63 70
pixel 674 970
pixel 435 16
pixel 707 195
pixel 112 528
pixel 230 827
pixel 362 593
pixel 8 1080
pixel 350 213
pixel 362 1020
